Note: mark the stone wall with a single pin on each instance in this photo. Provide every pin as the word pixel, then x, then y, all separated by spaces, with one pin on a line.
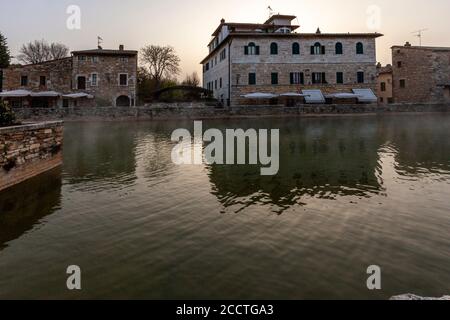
pixel 162 111
pixel 107 68
pixel 425 73
pixel 57 74
pixel 29 150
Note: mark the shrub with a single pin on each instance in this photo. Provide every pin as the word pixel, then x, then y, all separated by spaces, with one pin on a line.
pixel 7 116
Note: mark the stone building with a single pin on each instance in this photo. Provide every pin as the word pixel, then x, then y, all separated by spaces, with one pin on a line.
pixel 273 58
pixel 384 84
pixel 420 74
pixel 87 78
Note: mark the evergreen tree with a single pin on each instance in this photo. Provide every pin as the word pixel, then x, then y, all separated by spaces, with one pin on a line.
pixel 5 57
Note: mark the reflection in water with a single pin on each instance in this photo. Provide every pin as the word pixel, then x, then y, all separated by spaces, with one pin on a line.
pixel 351 192
pixel 25 205
pixel 97 156
pixel 316 160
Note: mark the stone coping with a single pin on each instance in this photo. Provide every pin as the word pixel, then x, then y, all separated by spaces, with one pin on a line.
pixel 27 126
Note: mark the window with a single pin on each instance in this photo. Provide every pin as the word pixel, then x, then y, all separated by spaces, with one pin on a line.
pixel 207 66
pixel 339 77
pixel 94 79
pixel 65 103
pixel 215 84
pixel 220 83
pixel 81 58
pixel 383 86
pixel 238 78
pixel 295 48
pixel 42 81
pixel 402 83
pixel 317 49
pixel 123 79
pixel 81 83
pixel 359 48
pixel 274 77
pixel 273 48
pixel 252 78
pixel 360 77
pixel 124 59
pixel 318 78
pixel 94 59
pixel 297 78
pixel 223 54
pixel 251 49
pixel 24 81
pixel 339 48
pixel 399 64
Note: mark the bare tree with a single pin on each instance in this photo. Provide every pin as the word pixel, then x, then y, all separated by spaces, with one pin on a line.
pixel 192 80
pixel 40 51
pixel 160 62
pixel 58 51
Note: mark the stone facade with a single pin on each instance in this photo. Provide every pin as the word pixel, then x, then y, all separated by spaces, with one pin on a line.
pixel 421 74
pixel 384 84
pixel 52 75
pixel 106 66
pixel 29 150
pixel 108 76
pixel 230 62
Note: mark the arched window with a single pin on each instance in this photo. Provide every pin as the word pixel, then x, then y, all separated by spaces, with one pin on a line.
pixel 252 49
pixel 317 48
pixel 273 48
pixel 359 48
pixel 295 48
pixel 339 48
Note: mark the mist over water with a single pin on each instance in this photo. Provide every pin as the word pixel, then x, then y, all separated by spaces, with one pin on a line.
pixel 350 192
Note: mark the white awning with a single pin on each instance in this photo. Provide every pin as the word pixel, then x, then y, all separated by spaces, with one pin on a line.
pixel 15 94
pixel 365 95
pixel 78 95
pixel 292 94
pixel 45 94
pixel 260 95
pixel 344 96
pixel 314 96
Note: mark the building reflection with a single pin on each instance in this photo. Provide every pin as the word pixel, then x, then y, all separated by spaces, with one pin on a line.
pixel 318 158
pixel 24 206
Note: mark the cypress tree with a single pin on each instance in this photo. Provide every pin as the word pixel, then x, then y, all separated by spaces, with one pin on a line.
pixel 5 57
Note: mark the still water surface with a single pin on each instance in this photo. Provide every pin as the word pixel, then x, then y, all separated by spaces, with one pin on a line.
pixel 351 192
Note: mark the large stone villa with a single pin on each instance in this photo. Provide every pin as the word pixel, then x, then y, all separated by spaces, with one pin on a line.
pixel 87 78
pixel 273 57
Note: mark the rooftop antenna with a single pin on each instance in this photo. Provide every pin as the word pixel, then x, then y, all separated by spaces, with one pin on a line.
pixel 99 42
pixel 418 34
pixel 270 11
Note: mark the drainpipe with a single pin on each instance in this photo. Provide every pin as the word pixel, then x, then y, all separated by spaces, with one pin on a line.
pixel 229 73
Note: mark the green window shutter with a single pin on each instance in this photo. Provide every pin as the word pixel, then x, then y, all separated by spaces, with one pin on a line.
pixel 246 50
pixel 257 50
pixel 292 78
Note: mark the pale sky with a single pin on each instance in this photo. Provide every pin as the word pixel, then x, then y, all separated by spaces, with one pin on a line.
pixel 187 25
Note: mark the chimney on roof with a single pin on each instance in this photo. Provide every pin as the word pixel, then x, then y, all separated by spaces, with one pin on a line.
pixel 407 44
pixel 121 47
pixel 222 21
pixel 318 31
